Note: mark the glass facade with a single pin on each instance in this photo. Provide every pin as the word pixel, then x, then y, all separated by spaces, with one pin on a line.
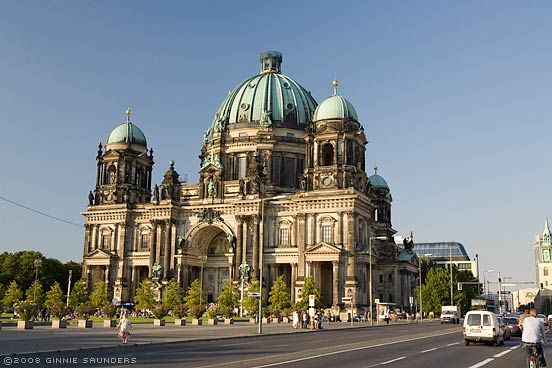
pixel 442 251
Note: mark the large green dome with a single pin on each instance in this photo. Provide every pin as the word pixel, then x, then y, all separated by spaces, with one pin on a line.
pixel 269 98
pixel 127 133
pixel 335 107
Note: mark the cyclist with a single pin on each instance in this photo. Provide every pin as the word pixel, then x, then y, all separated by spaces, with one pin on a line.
pixel 533 333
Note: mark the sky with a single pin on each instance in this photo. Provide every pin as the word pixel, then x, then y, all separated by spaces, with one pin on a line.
pixel 454 97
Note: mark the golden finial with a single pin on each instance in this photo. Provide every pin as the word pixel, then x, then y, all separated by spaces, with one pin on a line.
pixel 335 84
pixel 128 113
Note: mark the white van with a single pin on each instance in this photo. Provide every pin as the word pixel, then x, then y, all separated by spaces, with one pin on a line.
pixel 482 326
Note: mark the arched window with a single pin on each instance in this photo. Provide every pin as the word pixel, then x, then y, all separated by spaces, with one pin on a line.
pixel 111 174
pixel 219 245
pixel 545 271
pixel 327 155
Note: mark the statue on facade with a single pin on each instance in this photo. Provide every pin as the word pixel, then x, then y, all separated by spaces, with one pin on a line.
pixel 211 187
pixel 266 121
pixel 90 198
pixel 408 242
pixel 206 135
pixel 156 193
pixel 242 187
pixel 156 272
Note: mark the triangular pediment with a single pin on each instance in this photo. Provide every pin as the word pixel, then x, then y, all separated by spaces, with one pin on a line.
pixel 326 130
pixel 323 248
pixel 100 254
pixel 210 167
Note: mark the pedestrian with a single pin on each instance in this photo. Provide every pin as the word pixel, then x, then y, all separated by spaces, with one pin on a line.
pixel 124 328
pixel 387 317
pixel 295 319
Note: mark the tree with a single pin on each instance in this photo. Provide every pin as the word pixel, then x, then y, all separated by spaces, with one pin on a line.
pixel 174 295
pixel 79 294
pixel 309 288
pixel 2 292
pixel 12 295
pixel 145 297
pixel 280 297
pixel 228 299
pixel 99 296
pixel 55 301
pixel 250 304
pixel 436 290
pixel 194 296
pixel 35 291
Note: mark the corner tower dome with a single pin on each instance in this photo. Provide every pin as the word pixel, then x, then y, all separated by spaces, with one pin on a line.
pixel 127 133
pixel 376 181
pixel 335 107
pixel 267 99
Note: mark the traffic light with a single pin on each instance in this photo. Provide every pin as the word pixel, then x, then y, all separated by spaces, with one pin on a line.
pixel 541 286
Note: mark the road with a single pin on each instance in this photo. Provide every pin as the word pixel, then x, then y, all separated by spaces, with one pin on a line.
pixel 416 345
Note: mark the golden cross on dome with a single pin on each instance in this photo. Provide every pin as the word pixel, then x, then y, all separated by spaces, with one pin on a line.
pixel 335 84
pixel 376 169
pixel 128 113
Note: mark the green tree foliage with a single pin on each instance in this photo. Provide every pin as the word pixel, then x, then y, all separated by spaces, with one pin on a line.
pixel 250 304
pixel 99 296
pixel 35 290
pixel 55 300
pixel 2 292
pixel 228 299
pixel 280 297
pixel 145 297
pixel 194 296
pixel 174 295
pixel 309 288
pixel 20 267
pixel 12 295
pixel 79 294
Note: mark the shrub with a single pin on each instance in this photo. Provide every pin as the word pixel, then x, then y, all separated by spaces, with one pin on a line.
pixel 212 312
pixel 180 311
pixel 59 310
pixel 85 310
pixel 160 311
pixel 196 311
pixel 26 310
pixel 109 310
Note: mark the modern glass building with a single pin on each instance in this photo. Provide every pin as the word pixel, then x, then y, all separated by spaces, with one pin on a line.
pixel 444 253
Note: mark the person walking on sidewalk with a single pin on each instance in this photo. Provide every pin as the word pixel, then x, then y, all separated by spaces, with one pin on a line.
pixel 124 328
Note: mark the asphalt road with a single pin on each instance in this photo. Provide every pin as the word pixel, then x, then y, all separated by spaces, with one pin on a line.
pixel 428 345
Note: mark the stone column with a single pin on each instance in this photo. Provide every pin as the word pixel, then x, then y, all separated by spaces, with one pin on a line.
pixel 167 251
pixel 239 244
pixel 308 271
pixel 293 279
pixel 153 246
pixel 158 238
pixel 335 283
pixel 244 239
pixel 255 243
pixel 301 236
pixel 134 284
pixel 350 244
pixel 173 245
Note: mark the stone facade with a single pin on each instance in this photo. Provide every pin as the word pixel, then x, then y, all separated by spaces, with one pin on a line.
pixel 282 188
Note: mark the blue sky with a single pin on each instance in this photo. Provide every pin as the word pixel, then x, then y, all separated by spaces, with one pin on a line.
pixel 454 97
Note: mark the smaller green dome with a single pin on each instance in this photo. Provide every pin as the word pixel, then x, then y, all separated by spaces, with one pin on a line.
pixel 127 133
pixel 377 181
pixel 335 107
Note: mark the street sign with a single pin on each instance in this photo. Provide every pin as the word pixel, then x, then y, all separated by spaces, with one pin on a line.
pixel 311 300
pixel 254 295
pixel 376 301
pixel 411 300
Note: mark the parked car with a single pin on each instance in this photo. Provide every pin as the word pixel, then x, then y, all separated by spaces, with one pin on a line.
pixel 512 324
pixel 482 326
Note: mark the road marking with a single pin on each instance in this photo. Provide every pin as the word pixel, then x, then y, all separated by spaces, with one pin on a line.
pixel 392 360
pixel 501 354
pixel 454 343
pixel 428 350
pixel 481 364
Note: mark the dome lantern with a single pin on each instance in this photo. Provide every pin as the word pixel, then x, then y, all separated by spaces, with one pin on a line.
pixel 271 62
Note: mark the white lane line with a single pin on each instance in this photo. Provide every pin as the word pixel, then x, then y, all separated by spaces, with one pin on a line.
pixel 428 350
pixel 481 364
pixel 454 343
pixel 501 354
pixel 392 360
pixel 514 347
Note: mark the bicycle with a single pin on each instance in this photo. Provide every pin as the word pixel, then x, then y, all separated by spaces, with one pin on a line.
pixel 532 355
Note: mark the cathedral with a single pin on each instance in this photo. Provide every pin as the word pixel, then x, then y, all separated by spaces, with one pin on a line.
pixel 282 186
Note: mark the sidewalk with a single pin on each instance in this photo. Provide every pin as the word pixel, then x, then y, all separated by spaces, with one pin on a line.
pixel 44 338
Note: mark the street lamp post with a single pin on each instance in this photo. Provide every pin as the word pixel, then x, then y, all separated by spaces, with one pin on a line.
pixel 37 264
pixel 202 260
pixel 370 291
pixel 261 251
pixel 486 285
pixel 69 286
pixel 499 294
pixel 450 265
